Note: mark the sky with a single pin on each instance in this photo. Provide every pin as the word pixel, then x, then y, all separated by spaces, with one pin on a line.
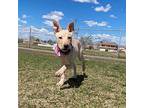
pixel 90 16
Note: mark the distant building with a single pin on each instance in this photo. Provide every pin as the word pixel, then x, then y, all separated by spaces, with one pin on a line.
pixel 25 41
pixel 44 45
pixel 122 49
pixel 107 46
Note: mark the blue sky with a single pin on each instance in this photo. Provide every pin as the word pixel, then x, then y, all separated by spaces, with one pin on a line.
pixel 91 14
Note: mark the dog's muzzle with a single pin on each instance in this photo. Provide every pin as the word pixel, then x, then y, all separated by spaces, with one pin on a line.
pixel 66 50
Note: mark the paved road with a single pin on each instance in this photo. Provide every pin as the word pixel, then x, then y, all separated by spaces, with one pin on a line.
pixel 87 57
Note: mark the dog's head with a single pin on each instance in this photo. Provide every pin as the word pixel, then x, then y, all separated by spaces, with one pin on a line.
pixel 64 37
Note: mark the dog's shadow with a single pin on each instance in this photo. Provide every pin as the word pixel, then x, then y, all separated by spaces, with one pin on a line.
pixel 74 82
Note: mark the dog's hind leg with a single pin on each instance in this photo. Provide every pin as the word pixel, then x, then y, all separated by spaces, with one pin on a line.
pixel 74 70
pixel 81 58
pixel 83 64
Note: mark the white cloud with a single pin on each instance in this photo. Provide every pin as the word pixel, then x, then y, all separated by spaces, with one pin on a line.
pixel 104 36
pixel 103 23
pixel 35 30
pixel 47 22
pixel 109 26
pixel 113 16
pixel 54 15
pixel 87 1
pixel 123 40
pixel 103 9
pixel 24 16
pixel 91 23
pixel 42 33
pixel 23 32
pixel 39 31
pixel 107 37
pixel 110 38
pixel 22 21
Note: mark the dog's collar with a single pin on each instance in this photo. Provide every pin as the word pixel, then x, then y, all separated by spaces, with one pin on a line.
pixel 56 50
pixel 59 52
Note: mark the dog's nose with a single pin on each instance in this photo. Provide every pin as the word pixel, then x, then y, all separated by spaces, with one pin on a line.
pixel 65 46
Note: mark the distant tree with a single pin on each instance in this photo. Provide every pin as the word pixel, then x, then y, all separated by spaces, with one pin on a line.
pixel 45 41
pixel 87 40
pixel 37 39
pixel 33 38
pixel 20 40
pixel 51 42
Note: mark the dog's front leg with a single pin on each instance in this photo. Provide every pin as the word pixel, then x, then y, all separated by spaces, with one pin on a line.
pixel 60 71
pixel 62 78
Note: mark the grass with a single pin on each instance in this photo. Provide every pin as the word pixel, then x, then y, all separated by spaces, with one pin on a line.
pixel 105 86
pixel 105 54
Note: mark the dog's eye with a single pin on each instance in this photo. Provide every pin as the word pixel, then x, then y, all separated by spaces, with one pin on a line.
pixel 69 37
pixel 60 37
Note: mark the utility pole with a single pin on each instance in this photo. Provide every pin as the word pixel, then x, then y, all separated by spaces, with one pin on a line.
pixel 30 38
pixel 76 30
pixel 118 50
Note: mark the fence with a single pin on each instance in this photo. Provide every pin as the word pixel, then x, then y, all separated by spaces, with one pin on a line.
pixel 111 35
pixel 92 36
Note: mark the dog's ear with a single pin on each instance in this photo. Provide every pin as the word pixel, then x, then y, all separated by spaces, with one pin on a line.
pixel 71 27
pixel 56 26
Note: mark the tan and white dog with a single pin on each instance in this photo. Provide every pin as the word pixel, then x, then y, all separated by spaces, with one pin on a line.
pixel 68 49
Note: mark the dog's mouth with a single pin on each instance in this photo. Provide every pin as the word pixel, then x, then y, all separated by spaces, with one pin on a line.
pixel 66 50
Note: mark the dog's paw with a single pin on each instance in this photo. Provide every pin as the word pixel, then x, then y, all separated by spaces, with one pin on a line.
pixel 60 83
pixel 85 76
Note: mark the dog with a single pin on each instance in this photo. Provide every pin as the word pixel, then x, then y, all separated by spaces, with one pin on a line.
pixel 67 49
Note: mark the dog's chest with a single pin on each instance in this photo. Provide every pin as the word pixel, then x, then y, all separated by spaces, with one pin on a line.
pixel 67 60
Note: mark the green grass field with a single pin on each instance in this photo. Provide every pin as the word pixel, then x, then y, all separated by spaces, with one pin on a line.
pixel 105 86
